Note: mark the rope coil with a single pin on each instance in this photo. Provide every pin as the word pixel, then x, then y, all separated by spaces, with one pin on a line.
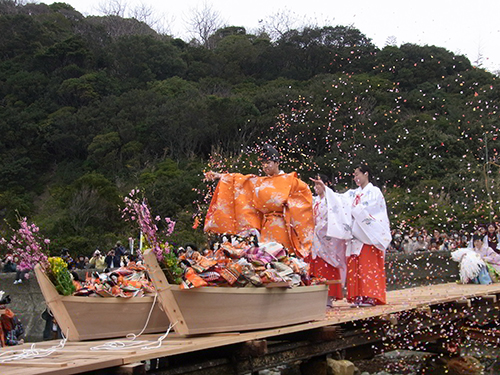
pixel 34 352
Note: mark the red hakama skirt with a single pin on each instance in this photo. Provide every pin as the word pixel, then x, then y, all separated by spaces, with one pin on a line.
pixel 321 269
pixel 366 275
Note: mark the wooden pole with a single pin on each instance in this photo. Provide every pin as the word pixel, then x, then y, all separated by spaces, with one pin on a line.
pixel 165 295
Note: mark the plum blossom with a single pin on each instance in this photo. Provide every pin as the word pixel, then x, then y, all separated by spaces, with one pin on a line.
pixel 28 246
pixel 138 210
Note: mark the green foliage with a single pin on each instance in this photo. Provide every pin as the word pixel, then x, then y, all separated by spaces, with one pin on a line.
pixel 59 274
pixel 94 106
pixel 172 269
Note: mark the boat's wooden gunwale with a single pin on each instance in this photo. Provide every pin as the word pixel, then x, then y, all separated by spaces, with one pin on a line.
pixel 107 300
pixel 250 290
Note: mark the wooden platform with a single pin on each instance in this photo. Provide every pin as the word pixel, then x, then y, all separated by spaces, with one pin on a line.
pixel 76 357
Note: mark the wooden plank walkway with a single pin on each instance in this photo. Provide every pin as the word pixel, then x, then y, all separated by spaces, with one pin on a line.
pixel 77 357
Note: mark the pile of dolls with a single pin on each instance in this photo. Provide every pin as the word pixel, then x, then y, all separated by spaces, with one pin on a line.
pixel 126 282
pixel 235 262
pixel 241 262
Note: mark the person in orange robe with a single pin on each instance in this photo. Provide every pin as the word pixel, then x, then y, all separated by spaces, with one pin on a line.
pixel 359 219
pixel 278 205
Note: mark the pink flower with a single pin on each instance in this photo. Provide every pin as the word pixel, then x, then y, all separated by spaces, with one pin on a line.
pixel 139 211
pixel 27 245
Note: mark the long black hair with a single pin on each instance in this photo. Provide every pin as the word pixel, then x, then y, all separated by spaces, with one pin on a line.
pixel 269 153
pixel 365 168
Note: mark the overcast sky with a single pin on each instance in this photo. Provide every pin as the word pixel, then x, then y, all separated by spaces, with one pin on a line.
pixel 464 27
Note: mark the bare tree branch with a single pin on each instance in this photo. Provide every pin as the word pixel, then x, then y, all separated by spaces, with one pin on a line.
pixel 479 59
pixel 391 41
pixel 204 22
pixel 112 7
pixel 147 14
pixel 279 23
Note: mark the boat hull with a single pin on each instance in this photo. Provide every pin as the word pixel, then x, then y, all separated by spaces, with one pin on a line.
pixel 218 309
pixel 92 318
pixel 212 309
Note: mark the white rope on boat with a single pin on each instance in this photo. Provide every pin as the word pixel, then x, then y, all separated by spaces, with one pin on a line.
pixel 34 352
pixel 31 353
pixel 161 338
pixel 132 336
pixel 132 343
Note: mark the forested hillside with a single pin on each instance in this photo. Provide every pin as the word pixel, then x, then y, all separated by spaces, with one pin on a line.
pixel 92 107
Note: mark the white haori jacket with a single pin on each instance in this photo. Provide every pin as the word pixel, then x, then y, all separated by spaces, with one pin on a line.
pixel 358 217
pixel 325 246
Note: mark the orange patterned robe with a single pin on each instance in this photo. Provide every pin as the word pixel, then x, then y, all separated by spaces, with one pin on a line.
pixel 279 206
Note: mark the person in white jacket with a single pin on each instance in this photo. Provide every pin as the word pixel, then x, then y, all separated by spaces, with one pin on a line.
pixel 327 259
pixel 358 218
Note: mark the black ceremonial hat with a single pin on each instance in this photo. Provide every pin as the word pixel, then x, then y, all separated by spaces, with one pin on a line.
pixel 269 153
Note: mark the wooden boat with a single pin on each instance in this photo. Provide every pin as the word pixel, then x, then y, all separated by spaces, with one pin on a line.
pixel 91 318
pixel 218 309
pixel 194 311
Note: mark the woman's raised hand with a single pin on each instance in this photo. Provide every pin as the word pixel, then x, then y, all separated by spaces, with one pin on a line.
pixel 319 186
pixel 211 175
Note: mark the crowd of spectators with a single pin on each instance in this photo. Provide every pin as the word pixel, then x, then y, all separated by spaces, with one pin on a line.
pixel 412 240
pixel 117 256
pixel 114 258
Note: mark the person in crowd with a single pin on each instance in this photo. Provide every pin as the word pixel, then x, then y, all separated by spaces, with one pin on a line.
pixel 52 331
pixel 445 242
pixel 119 249
pixel 66 256
pixel 11 328
pixel 436 240
pixel 407 244
pixel 81 264
pixel 420 244
pixel 327 259
pixel 492 237
pixel 132 260
pixel 125 258
pixel 488 255
pixel 278 205
pixel 21 275
pixel 8 264
pixel 426 237
pixel 464 239
pixel 396 245
pixel 361 220
pixel 472 267
pixel 434 245
pixel 98 261
pixel 112 259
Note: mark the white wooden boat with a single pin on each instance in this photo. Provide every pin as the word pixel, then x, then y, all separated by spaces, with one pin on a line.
pixel 219 309
pixel 91 318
